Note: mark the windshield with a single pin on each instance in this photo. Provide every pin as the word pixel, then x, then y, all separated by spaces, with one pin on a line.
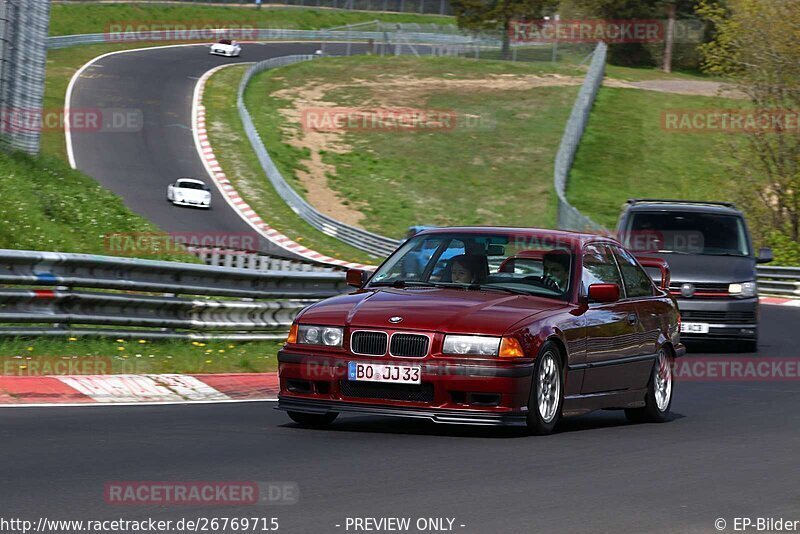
pixel 512 264
pixel 192 185
pixel 687 233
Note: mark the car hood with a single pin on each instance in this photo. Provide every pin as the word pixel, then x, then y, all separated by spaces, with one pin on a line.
pixel 429 309
pixel 705 269
pixel 192 194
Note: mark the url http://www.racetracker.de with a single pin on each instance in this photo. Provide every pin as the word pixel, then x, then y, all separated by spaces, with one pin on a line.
pixel 108 526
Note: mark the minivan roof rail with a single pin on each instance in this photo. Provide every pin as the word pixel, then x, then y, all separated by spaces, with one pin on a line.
pixel 675 201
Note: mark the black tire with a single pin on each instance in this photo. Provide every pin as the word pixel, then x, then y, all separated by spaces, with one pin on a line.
pixel 313 419
pixel 549 365
pixel 655 409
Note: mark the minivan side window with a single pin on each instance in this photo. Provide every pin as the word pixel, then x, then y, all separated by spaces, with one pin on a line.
pixel 637 281
pixel 599 267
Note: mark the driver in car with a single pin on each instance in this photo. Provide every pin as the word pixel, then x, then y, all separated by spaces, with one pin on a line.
pixel 466 269
pixel 556 270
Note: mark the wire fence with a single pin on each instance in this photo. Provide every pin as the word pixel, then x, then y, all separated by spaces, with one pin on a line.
pixel 421 7
pixel 569 218
pixel 23 32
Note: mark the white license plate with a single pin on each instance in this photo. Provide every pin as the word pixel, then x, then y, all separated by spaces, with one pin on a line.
pixel 376 372
pixel 694 328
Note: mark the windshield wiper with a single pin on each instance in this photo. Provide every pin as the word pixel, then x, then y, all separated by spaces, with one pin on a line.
pixel 722 254
pixel 498 288
pixel 404 283
pixel 660 252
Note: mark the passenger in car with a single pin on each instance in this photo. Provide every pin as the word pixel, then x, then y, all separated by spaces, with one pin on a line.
pixel 556 270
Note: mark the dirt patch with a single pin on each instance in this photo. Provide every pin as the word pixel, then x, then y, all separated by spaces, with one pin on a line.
pixel 386 91
pixel 680 87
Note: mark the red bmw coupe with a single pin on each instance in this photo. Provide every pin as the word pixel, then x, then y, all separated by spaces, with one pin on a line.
pixel 489 326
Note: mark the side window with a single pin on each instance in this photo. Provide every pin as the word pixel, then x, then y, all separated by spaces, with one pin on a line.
pixel 637 281
pixel 599 267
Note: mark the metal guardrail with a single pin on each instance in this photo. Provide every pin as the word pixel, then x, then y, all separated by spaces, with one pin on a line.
pixel 146 294
pixel 257 34
pixel 569 218
pixel 240 259
pixel 782 281
pixel 378 245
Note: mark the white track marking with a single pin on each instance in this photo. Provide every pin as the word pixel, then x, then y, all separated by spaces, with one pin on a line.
pixel 133 388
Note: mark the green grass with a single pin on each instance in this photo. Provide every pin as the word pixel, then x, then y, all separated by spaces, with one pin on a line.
pixel 626 153
pixel 69 19
pixel 496 174
pixel 22 357
pixel 48 206
pixel 241 166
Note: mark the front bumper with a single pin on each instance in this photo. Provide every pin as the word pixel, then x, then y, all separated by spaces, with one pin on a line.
pixel 727 319
pixel 191 204
pixel 224 53
pixel 437 415
pixel 455 392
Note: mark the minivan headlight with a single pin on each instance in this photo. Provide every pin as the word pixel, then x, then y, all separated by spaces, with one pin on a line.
pixel 330 336
pixel 475 345
pixel 743 290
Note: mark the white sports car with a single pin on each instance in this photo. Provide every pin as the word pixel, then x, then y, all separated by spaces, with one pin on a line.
pixel 226 47
pixel 189 192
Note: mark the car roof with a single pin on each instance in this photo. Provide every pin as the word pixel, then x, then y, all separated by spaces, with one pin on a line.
pixel 191 180
pixel 571 239
pixel 698 206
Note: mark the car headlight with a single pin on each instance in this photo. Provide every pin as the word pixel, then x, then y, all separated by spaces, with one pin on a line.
pixel 743 290
pixel 476 345
pixel 329 336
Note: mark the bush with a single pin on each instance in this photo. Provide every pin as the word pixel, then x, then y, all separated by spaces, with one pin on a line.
pixel 785 249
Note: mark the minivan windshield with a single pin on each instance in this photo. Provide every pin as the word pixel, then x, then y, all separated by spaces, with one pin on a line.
pixel 687 232
pixel 511 264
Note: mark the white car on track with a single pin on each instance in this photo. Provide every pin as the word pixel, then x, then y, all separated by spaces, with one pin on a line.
pixel 226 47
pixel 189 192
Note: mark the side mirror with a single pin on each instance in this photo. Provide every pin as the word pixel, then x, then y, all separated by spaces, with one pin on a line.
pixel 661 265
pixel 603 293
pixel 357 277
pixel 764 255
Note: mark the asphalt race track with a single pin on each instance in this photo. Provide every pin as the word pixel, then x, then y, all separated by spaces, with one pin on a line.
pixel 139 165
pixel 730 450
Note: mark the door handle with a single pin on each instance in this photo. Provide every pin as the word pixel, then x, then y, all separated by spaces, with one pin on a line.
pixel 632 318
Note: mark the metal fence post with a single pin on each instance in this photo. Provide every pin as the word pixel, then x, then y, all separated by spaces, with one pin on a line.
pixel 23 69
